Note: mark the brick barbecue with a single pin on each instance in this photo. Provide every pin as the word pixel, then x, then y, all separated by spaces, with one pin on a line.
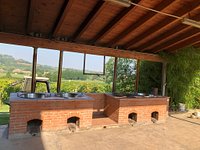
pixel 52 114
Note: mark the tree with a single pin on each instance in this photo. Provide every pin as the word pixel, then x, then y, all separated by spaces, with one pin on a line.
pixel 150 76
pixel 125 74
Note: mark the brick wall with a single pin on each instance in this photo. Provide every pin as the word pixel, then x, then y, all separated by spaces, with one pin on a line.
pixel 118 109
pixel 53 113
pixel 99 101
pixel 112 107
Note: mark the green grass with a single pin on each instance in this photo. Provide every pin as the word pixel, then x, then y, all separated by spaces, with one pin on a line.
pixel 4 114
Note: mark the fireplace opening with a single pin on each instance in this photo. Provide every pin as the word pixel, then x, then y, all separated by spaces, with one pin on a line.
pixel 132 118
pixel 154 116
pixel 73 123
pixel 34 126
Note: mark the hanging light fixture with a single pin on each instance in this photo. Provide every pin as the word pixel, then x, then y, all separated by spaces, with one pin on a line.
pixel 124 3
pixel 128 3
pixel 191 22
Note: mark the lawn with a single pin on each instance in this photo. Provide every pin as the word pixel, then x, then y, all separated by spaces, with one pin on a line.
pixel 4 114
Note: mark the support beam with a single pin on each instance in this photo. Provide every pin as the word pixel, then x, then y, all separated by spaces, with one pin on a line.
pixel 114 75
pixel 137 75
pixel 114 22
pixel 33 80
pixel 187 33
pixel 75 47
pixel 162 23
pixel 60 71
pixel 30 15
pixel 164 77
pixel 140 22
pixel 89 19
pixel 63 13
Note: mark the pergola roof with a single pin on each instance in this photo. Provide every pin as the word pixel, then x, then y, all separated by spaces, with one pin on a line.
pixel 104 24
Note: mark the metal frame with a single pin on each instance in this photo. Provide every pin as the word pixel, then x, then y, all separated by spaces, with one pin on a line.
pixel 84 64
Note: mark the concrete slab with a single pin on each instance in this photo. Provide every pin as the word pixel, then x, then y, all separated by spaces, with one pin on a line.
pixel 178 133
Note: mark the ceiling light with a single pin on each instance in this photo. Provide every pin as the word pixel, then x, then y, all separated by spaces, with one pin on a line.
pixel 191 22
pixel 125 3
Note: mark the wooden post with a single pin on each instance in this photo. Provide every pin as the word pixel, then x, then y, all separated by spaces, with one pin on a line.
pixel 164 70
pixel 137 75
pixel 114 75
pixel 33 81
pixel 60 71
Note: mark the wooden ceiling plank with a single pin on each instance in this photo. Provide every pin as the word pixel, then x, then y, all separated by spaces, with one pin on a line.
pixel 30 15
pixel 140 22
pixel 89 19
pixel 10 38
pixel 61 17
pixel 162 37
pixel 184 43
pixel 197 44
pixel 114 22
pixel 191 32
pixel 162 23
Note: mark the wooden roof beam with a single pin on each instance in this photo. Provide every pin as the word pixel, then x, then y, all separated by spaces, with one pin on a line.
pixel 10 38
pixel 140 22
pixel 30 15
pixel 151 44
pixel 89 19
pixel 61 17
pixel 162 23
pixel 183 36
pixel 197 44
pixel 186 42
pixel 114 22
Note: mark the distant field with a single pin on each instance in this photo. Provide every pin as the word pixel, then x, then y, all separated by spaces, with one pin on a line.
pixel 13 75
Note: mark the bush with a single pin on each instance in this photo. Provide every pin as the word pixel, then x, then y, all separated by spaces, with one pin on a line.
pixel 183 77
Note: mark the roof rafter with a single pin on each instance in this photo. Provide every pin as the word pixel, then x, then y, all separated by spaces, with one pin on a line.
pixel 184 34
pixel 189 41
pixel 152 43
pixel 89 19
pixel 114 22
pixel 141 21
pixel 30 15
pixel 162 23
pixel 197 44
pixel 61 17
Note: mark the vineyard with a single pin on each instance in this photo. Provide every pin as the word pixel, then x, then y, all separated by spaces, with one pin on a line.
pixel 87 86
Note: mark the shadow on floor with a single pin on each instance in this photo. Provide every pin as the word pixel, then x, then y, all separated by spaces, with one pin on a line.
pixel 29 143
pixel 185 120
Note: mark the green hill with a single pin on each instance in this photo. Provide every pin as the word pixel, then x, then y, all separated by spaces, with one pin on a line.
pixel 18 68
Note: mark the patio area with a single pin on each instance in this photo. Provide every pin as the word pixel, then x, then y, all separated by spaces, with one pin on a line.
pixel 179 132
pixel 139 31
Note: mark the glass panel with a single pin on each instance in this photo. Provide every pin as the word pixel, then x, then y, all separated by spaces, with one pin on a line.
pixel 94 64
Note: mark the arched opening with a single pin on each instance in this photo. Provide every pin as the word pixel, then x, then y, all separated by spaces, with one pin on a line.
pixel 34 126
pixel 73 123
pixel 132 118
pixel 154 116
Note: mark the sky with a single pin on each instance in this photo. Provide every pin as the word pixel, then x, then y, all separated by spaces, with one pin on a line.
pixel 51 57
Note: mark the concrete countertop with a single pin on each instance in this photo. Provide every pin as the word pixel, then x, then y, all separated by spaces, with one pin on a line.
pixel 14 97
pixel 137 97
